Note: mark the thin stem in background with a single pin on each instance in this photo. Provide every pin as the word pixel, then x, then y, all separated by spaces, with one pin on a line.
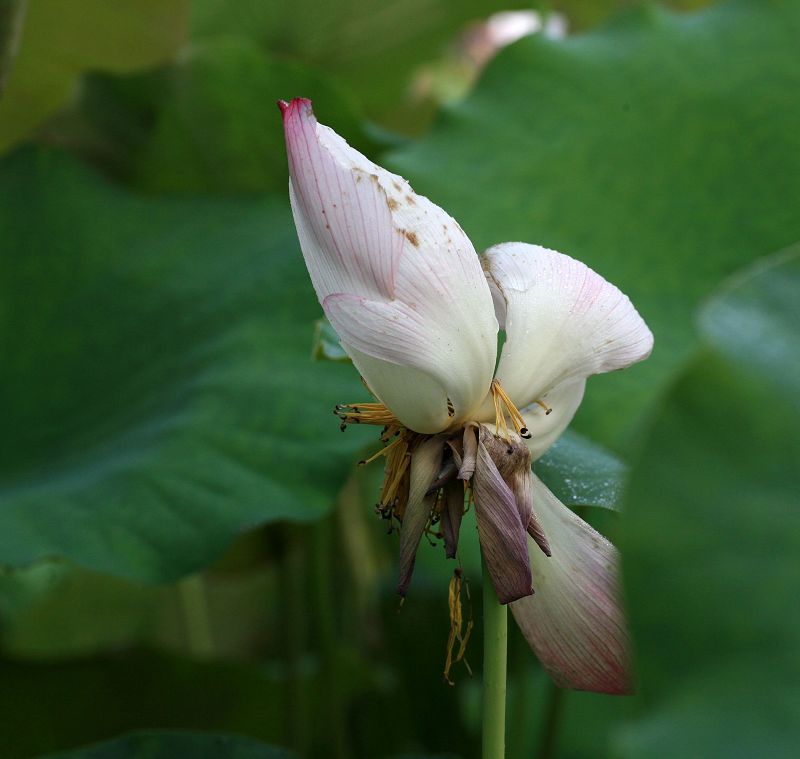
pixel 197 620
pixel 335 709
pixel 495 653
pixel 552 717
pixel 295 610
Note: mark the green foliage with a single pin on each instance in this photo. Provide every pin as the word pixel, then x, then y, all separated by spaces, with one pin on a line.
pixel 712 533
pixel 643 149
pixel 168 745
pixel 61 40
pixel 217 127
pixel 160 395
pixel 159 392
pixel 372 47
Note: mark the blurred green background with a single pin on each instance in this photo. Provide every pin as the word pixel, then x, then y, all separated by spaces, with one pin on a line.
pixel 189 561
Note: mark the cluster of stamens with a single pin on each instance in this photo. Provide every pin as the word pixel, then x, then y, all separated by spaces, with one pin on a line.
pixel 398 443
pixel 504 406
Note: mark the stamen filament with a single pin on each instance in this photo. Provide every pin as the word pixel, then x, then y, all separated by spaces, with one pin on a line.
pixel 503 405
pixel 365 413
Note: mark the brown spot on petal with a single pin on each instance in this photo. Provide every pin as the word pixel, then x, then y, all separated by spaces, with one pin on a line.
pixel 392 203
pixel 397 187
pixel 412 238
pixel 410 200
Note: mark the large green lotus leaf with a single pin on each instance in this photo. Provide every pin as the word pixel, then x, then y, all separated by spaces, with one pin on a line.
pixel 661 150
pixel 217 126
pixel 712 536
pixel 372 46
pixel 60 40
pixel 158 392
pixel 163 744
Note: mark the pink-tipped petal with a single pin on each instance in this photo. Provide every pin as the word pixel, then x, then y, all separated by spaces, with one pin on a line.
pixel 575 623
pixel 563 321
pixel 368 238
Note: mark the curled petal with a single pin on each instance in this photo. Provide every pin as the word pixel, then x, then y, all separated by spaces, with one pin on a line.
pixel 425 463
pixel 504 543
pixel 469 457
pixel 380 255
pixel 574 623
pixel 563 321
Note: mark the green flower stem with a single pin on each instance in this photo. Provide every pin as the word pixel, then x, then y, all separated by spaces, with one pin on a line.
pixel 197 620
pixel 495 651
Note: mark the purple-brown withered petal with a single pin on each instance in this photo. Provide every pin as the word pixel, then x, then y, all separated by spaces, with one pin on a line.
pixel 575 623
pixel 451 516
pixel 504 542
pixel 470 454
pixel 521 483
pixel 425 464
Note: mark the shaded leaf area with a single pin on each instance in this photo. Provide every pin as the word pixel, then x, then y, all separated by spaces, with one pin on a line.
pixel 12 14
pixel 60 41
pixel 159 395
pixel 168 745
pixel 209 122
pixel 300 702
pixel 712 532
pixel 642 149
pixel 371 47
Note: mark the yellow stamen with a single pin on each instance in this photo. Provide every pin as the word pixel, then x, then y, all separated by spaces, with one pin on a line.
pixel 365 413
pixel 503 405
pixel 546 408
pixel 457 632
pixel 382 452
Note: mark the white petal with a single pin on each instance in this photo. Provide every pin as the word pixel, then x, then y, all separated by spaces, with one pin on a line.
pixel 399 279
pixel 545 428
pixel 574 621
pixel 424 410
pixel 563 321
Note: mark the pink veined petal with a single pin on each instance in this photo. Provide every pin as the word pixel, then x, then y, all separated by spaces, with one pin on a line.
pixel 371 243
pixel 563 321
pixel 574 622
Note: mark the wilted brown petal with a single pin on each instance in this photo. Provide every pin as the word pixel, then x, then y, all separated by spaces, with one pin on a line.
pixel 451 516
pixel 504 542
pixel 425 464
pixel 470 453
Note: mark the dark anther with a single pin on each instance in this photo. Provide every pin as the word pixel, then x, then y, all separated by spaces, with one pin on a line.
pixel 524 433
pixel 548 412
pixel 343 426
pixel 362 462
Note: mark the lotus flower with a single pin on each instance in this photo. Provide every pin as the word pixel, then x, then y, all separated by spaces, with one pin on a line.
pixel 418 311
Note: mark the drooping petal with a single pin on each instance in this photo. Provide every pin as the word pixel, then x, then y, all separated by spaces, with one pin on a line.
pixel 504 542
pixel 425 463
pixel 469 457
pixel 546 423
pixel 451 516
pixel 398 278
pixel 563 321
pixel 574 623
